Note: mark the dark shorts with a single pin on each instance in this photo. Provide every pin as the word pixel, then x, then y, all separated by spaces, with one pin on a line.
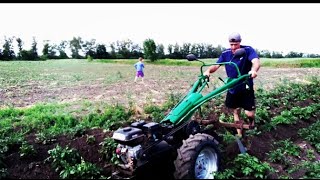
pixel 139 74
pixel 244 99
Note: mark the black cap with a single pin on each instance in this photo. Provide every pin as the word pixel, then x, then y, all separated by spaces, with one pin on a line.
pixel 234 37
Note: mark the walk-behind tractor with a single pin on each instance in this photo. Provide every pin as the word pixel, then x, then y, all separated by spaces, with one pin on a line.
pixel 177 147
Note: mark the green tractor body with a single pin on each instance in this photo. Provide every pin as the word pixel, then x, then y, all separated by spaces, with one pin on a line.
pixel 175 146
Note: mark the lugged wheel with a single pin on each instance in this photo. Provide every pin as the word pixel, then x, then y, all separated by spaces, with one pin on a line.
pixel 198 158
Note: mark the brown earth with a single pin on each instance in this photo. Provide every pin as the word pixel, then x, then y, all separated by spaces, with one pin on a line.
pixel 36 168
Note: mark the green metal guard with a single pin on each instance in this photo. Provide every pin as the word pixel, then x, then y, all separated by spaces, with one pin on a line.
pixel 194 99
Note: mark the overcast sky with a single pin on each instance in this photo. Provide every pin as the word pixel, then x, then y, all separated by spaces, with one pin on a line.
pixel 281 27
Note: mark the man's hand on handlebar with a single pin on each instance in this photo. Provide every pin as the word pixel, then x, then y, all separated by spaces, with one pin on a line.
pixel 207 73
pixel 253 73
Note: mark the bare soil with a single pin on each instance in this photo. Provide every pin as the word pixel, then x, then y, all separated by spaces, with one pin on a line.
pixel 155 88
pixel 36 168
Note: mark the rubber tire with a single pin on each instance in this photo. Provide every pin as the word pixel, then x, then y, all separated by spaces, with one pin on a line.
pixel 188 153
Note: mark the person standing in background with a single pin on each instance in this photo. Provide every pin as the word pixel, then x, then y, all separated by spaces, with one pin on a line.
pixel 139 66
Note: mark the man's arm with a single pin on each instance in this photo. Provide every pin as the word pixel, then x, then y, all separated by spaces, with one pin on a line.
pixel 211 69
pixel 255 67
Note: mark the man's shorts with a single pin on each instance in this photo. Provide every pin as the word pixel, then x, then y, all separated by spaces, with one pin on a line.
pixel 244 99
pixel 140 74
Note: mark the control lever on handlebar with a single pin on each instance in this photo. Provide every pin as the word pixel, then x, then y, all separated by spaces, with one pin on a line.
pixel 221 80
pixel 208 79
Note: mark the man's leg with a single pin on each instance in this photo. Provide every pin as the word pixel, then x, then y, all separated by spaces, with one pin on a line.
pixel 231 102
pixel 251 116
pixel 250 107
pixel 236 117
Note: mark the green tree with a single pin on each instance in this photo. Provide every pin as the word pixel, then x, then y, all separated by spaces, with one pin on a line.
pixel 49 51
pixel 75 46
pixel 176 52
pixel 89 48
pixel 45 50
pixel 265 53
pixel 293 54
pixel 124 48
pixel 149 48
pixel 26 55
pixel 20 44
pixel 102 52
pixel 113 52
pixel 34 49
pixel 160 51
pixel 194 50
pixel 201 48
pixel 170 51
pixel 8 53
pixel 1 56
pixel 62 50
pixel 136 51
pixel 219 49
pixel 276 55
pixel 185 49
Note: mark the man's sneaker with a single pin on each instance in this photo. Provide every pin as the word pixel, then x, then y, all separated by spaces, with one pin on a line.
pixel 239 136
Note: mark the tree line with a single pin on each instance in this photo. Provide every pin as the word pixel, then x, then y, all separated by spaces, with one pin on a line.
pixel 124 49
